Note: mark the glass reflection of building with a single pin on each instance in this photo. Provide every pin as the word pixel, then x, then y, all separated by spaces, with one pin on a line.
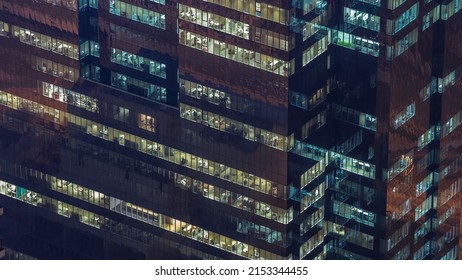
pixel 230 129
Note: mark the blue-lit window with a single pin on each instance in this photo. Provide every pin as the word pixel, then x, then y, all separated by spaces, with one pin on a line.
pixel 68 96
pixel 362 19
pixel 422 230
pixel 309 198
pixel 364 45
pixel 138 62
pixel 85 3
pixel 407 17
pixel 424 207
pixel 452 254
pixel 93 3
pixel 89 48
pixel 258 9
pixel 136 13
pixel 452 123
pixel 423 251
pixel 403 253
pixel 235 53
pixel 158 1
pixel 426 183
pixel 372 2
pixel 354 213
pixel 315 50
pixel 450 192
pixel 321 6
pixel 404 116
pixel 404 44
pixel 298 100
pixel 429 89
pixel 357 237
pixel 450 9
pixel 431 17
pixel 261 232
pixel 430 135
pixel 139 87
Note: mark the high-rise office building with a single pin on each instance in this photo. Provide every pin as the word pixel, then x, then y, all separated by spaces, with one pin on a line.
pixel 230 129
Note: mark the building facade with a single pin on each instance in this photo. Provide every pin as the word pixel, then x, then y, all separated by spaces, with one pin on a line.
pixel 230 129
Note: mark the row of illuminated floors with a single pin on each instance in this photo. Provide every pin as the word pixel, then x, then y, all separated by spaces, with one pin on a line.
pixel 39 40
pixel 211 95
pixel 99 222
pixel 70 50
pixel 197 163
pixel 129 210
pixel 223 99
pixel 235 53
pixel 136 13
pixel 327 35
pixel 176 156
pixel 88 103
pixel 138 62
pixel 214 21
pixel 223 197
pixel 147 146
pixel 228 125
pixel 139 87
pixel 206 190
pixel 85 194
pixel 50 44
pixel 341 161
pixel 196 187
pixel 234 199
pixel 234 27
